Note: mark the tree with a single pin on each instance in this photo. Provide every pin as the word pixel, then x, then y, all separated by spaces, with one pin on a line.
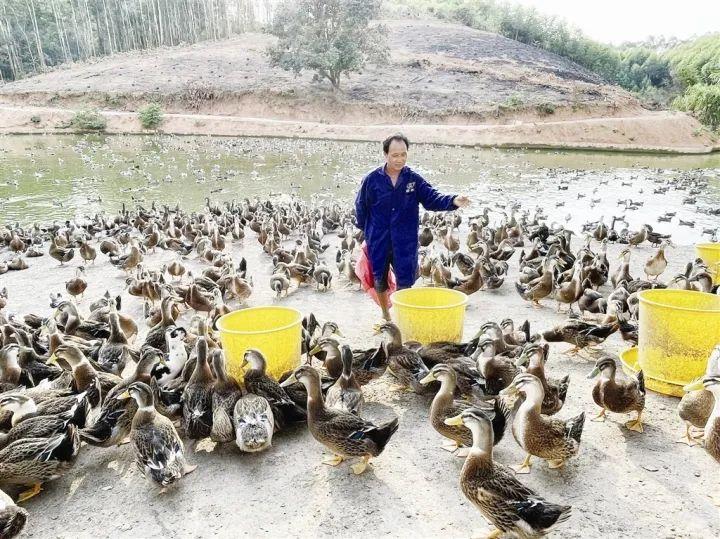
pixel 330 37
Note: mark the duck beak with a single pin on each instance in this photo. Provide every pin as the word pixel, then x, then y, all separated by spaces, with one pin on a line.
pixel 314 351
pixel 123 396
pixel 289 380
pixel 510 390
pixel 377 328
pixel 694 385
pixel 594 373
pixel 427 379
pixel 457 420
pixel 244 363
pixel 339 333
pixel 52 360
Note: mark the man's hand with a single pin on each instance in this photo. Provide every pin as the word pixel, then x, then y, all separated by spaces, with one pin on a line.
pixel 461 201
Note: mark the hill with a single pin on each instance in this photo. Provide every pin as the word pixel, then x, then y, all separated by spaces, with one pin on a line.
pixel 438 74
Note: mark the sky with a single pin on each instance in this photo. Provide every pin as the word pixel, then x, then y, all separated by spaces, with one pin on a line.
pixel 616 21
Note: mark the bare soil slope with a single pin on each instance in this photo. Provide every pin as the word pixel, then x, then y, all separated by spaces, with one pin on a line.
pixel 437 72
pixel 444 83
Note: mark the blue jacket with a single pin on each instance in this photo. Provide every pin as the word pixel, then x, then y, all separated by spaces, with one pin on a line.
pixel 390 219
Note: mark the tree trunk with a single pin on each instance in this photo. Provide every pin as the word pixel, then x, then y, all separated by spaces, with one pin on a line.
pixel 38 43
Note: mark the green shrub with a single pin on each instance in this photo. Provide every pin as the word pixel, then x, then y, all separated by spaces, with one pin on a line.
pixel 545 109
pixel 151 116
pixel 514 102
pixel 88 120
pixel 703 101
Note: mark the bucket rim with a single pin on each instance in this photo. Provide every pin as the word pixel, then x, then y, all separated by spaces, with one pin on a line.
pixel 463 301
pixel 259 308
pixel 711 246
pixel 625 359
pixel 671 291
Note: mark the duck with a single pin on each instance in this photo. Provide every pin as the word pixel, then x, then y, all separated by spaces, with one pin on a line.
pixel 712 427
pixel 554 440
pixel 636 238
pixel 198 300
pixel 23 407
pixel 12 517
pixel 225 395
pixel 469 382
pixel 257 381
pixel 220 308
pixel 87 252
pixel 514 337
pixel 404 364
pixel 176 269
pixel 156 336
pixel 622 273
pixel 497 371
pixel 75 325
pixel 85 377
pixel 159 451
pixel 280 282
pixel 254 423
pixel 10 371
pixel 445 405
pixel 345 394
pixel 59 253
pixel 197 410
pixel 657 263
pixel 36 365
pixel 533 358
pixel 580 333
pixel 322 276
pixel 40 426
pixel 114 421
pixel 33 461
pixel 697 403
pixel 78 284
pixel 115 351
pixel 472 283
pixel 367 364
pixel 129 261
pixel 175 358
pixel 618 394
pixel 513 508
pixel 539 288
pixel 345 434
pixel 17 263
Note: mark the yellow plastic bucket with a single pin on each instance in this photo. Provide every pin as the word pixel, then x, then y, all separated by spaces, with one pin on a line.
pixel 629 360
pixel 710 254
pixel 678 329
pixel 429 314
pixel 275 331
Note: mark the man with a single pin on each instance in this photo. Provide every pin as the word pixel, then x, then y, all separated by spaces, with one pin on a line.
pixel 386 209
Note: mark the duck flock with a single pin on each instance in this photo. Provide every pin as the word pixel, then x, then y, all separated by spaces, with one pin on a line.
pixel 98 376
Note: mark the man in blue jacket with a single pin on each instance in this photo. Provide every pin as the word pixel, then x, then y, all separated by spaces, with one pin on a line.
pixel 386 209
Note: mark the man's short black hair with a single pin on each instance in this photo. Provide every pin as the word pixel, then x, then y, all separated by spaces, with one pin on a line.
pixel 397 136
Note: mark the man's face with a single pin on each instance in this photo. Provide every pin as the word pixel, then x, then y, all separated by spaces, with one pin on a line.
pixel 396 157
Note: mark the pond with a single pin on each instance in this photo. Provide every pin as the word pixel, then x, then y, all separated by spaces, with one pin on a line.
pixel 55 177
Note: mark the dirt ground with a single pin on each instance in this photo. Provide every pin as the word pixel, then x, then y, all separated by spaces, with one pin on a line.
pixel 622 483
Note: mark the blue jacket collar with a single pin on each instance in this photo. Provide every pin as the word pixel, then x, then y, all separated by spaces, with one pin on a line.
pixel 401 176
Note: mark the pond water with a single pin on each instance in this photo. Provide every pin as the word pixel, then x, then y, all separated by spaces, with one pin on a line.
pixel 46 178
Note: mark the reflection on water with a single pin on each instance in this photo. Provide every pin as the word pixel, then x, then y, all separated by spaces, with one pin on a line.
pixel 43 178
